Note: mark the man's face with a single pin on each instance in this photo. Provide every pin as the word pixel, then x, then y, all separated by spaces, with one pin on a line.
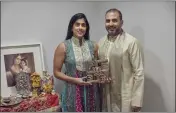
pixel 113 23
pixel 79 28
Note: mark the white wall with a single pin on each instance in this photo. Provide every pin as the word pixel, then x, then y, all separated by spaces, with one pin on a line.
pixel 151 22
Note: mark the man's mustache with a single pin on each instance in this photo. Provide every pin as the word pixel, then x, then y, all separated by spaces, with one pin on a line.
pixel 112 27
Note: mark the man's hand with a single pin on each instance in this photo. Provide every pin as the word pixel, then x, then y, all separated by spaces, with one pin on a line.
pixel 136 109
pixel 105 81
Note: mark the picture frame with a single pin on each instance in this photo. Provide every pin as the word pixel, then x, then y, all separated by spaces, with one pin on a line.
pixel 32 53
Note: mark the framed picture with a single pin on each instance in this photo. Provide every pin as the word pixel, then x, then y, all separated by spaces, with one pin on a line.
pixel 16 58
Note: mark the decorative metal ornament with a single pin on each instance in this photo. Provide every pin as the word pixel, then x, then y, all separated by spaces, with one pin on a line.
pixel 36 84
pixel 22 83
pixel 98 71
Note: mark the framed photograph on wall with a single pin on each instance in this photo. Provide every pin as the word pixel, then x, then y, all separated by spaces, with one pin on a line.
pixel 17 58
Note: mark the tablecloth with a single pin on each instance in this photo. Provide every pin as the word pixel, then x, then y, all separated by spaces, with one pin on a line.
pixel 48 102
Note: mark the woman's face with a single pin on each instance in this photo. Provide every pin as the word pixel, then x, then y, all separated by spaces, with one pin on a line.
pixel 17 60
pixel 79 28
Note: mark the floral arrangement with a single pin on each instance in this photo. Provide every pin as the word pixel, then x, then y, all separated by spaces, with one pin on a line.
pixel 47 83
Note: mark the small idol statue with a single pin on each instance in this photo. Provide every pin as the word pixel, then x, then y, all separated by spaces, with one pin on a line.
pixel 36 84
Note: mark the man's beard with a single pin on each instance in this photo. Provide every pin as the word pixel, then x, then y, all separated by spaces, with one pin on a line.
pixel 113 32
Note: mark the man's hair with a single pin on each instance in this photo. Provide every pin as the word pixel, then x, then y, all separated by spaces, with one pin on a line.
pixel 115 10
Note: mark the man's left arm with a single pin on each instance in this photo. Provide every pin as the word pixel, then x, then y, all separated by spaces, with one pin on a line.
pixel 137 62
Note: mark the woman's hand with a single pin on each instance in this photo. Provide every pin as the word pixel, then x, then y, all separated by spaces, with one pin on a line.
pixel 80 81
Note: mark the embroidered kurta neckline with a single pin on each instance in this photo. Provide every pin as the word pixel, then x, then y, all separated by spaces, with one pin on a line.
pixel 113 38
pixel 76 41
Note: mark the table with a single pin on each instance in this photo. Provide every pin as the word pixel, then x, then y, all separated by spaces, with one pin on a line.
pixel 48 102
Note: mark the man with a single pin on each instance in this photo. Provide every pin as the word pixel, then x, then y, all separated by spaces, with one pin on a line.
pixel 125 91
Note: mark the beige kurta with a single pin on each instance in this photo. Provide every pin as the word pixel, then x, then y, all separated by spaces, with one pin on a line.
pixel 125 59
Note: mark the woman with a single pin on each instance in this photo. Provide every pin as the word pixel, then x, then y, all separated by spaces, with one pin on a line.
pixel 14 70
pixel 76 52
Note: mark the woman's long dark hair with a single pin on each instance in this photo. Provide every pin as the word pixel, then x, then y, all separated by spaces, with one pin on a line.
pixel 72 21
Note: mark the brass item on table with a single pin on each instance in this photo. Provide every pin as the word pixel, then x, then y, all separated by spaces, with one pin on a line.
pixel 36 84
